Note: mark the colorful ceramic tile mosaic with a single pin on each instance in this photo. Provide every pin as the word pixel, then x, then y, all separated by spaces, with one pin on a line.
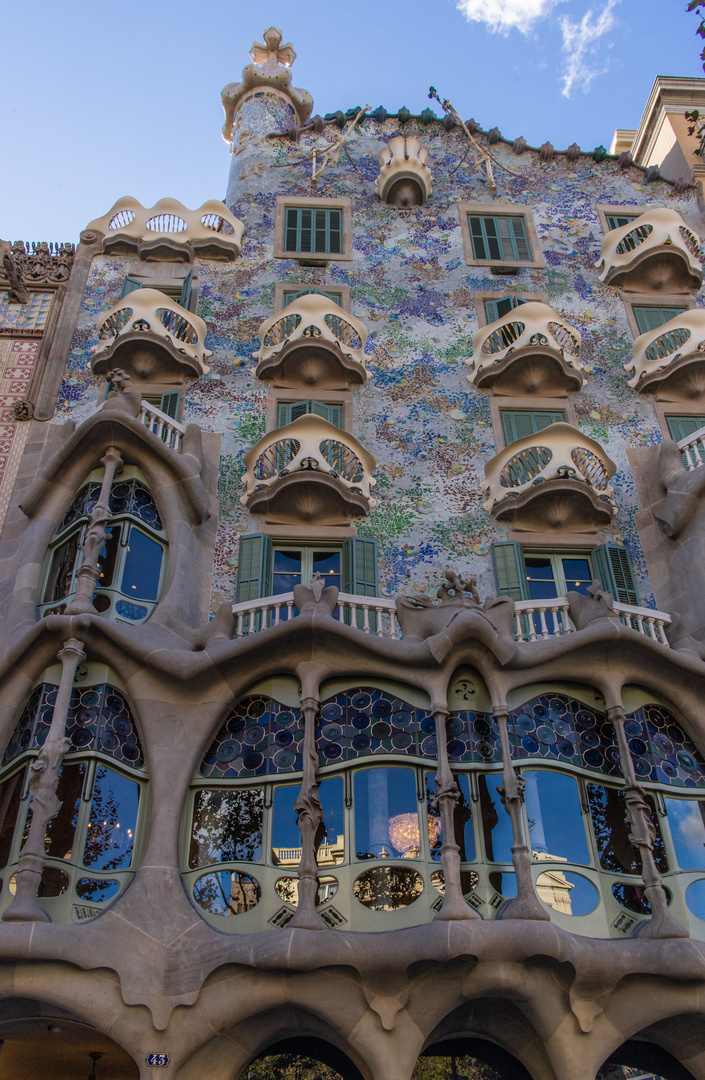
pixel 17 359
pixel 22 318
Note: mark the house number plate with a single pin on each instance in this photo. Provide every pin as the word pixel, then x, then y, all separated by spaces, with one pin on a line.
pixel 157 1061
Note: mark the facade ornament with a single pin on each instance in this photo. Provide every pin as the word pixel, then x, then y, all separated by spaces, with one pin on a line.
pixel 88 575
pixel 17 293
pixel 23 409
pixel 445 801
pixel 596 606
pixel 310 821
pixel 309 599
pixel 404 178
pixel 37 264
pixel 269 71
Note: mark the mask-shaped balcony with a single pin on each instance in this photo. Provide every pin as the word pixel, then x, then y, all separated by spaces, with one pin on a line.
pixel 671 359
pixel 170 231
pixel 530 350
pixel 656 251
pixel 555 480
pixel 404 177
pixel 151 338
pixel 312 342
pixel 309 472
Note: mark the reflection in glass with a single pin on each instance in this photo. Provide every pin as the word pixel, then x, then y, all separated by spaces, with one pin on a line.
pixel 95 890
pixel 107 557
pixel 555 819
pixel 287 889
pixel 386 814
pixel 226 892
pixel 110 835
pixel 143 566
pixel 569 894
pixel 695 898
pixel 468 881
pixel 58 841
pixel 226 827
pixel 54 882
pixel 286 838
pixel 608 812
pixel 60 573
pixel 687 823
pixel 286 571
pixel 10 793
pixel 327 564
pixel 388 888
pixel 496 823
pixel 504 884
pixel 633 897
pixel 462 820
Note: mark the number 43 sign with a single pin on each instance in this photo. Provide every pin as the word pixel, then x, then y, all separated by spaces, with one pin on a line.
pixel 157 1061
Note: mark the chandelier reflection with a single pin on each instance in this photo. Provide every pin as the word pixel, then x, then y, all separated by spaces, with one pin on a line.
pixel 404 833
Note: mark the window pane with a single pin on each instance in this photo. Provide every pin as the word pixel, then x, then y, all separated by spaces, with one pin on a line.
pixel 386 814
pixel 521 244
pixel 685 818
pixel 462 820
pixel 577 575
pixel 10 793
pixel 327 564
pixel 287 571
pixel 226 827
pixel 61 570
pixel 607 810
pixel 503 227
pixel 110 836
pixel 496 824
pixel 540 577
pixel 556 825
pixel 286 838
pixel 143 566
pixel 61 829
pixel 332 848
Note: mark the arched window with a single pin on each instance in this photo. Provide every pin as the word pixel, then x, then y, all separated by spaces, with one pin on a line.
pixel 131 563
pixel 90 843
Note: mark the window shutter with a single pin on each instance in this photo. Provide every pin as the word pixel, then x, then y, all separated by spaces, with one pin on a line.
pixel 186 289
pixel 170 404
pixel 516 425
pixel 332 413
pixel 289 297
pixel 254 571
pixel 650 318
pixel 496 309
pixel 129 285
pixel 360 566
pixel 292 410
pixel 510 571
pixel 613 570
pixel 521 242
pixel 615 221
pixel 680 427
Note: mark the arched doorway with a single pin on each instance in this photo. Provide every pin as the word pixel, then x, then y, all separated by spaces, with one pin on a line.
pixel 44 1042
pixel 304 1058
pixel 468 1059
pixel 638 1060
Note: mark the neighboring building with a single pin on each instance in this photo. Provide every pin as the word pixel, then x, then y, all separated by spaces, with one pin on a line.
pixel 318 731
pixel 662 138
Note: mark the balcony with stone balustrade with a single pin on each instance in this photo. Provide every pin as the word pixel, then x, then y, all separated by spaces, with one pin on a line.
pixel 554 481
pixel 670 360
pixel 530 350
pixel 309 472
pixel 170 231
pixel 312 342
pixel 656 251
pixel 152 338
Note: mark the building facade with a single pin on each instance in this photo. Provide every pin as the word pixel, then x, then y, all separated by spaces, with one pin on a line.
pixel 352 586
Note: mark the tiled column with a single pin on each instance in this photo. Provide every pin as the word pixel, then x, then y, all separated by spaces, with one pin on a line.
pixel 310 821
pixel 641 833
pixel 447 794
pixel 98 519
pixel 44 777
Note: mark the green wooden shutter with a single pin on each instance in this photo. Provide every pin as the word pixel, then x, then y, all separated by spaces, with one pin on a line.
pixel 650 318
pixel 292 410
pixel 289 297
pixel 496 309
pixel 510 571
pixel 615 221
pixel 500 238
pixel 170 404
pixel 613 569
pixel 516 425
pixel 186 289
pixel 129 285
pixel 254 571
pixel 680 427
pixel 360 574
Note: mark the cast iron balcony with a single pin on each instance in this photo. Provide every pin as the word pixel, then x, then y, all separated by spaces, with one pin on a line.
pixel 672 357
pixel 556 480
pixel 530 350
pixel 309 471
pixel 170 231
pixel 146 332
pixel 312 342
pixel 404 177
pixel 656 251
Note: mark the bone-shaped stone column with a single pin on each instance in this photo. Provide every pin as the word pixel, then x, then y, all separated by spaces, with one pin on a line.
pixel 310 821
pixel 446 799
pixel 99 518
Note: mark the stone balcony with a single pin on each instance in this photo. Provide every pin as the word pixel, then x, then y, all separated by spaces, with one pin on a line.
pixel 169 231
pixel 671 359
pixel 404 177
pixel 655 252
pixel 312 342
pixel 309 472
pixel 530 350
pixel 556 480
pixel 151 338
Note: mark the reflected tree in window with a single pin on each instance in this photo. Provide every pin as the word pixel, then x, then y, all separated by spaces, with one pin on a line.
pixel 227 827
pixel 608 813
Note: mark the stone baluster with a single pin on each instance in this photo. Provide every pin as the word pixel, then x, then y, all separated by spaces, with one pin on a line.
pixel 662 923
pixel 526 904
pixel 310 822
pixel 88 574
pixel 44 777
pixel 446 799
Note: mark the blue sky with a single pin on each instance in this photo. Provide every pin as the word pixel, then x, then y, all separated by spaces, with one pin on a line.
pixel 102 101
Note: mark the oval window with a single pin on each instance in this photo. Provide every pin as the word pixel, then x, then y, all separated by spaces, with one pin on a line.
pixel 95 890
pixel 634 898
pixel 695 898
pixel 226 892
pixel 54 882
pixel 468 881
pixel 287 889
pixel 387 888
pixel 567 893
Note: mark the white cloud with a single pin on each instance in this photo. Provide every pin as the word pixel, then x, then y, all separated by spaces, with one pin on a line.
pixel 580 43
pixel 501 16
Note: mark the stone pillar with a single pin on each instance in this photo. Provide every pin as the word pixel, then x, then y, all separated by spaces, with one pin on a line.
pixel 100 517
pixel 526 904
pixel 446 799
pixel 641 833
pixel 310 821
pixel 44 777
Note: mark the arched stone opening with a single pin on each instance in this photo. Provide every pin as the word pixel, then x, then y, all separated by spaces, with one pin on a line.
pixel 647 1057
pixel 40 1041
pixel 303 1057
pixel 468 1059
pixel 495 1033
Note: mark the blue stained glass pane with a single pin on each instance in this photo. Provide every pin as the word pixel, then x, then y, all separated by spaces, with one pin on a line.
pixel 113 818
pixel 143 565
